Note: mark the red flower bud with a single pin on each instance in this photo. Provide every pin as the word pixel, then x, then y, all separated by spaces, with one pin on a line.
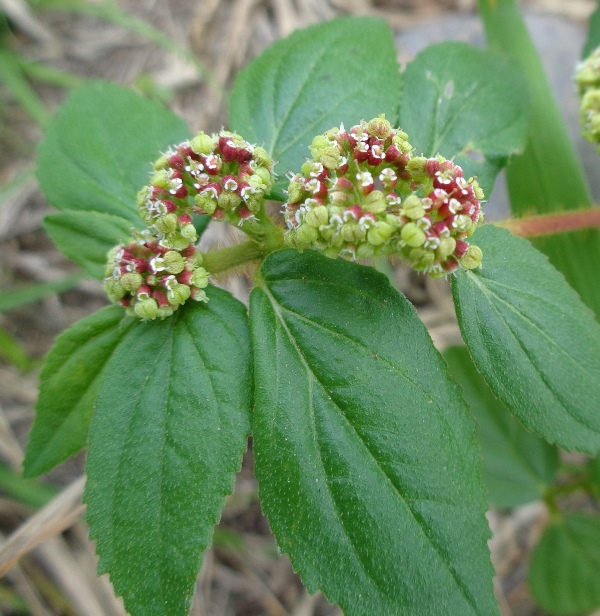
pixel 461 249
pixel 177 161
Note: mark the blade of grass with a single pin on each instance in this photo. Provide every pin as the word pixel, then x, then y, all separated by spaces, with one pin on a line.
pixel 547 177
pixel 14 80
pixel 13 352
pixel 35 292
pixel 27 491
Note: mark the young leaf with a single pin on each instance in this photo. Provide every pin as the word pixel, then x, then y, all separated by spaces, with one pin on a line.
pixel 87 237
pixel 563 576
pixel 466 104
pixel 69 385
pixel 517 465
pixel 364 449
pixel 167 437
pixel 535 343
pixel 96 153
pixel 344 70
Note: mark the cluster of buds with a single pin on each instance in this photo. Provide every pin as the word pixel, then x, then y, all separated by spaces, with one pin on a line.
pixel 221 175
pixel 363 193
pixel 588 81
pixel 152 281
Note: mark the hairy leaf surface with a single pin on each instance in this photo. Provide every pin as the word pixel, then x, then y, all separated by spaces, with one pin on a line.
pixel 97 153
pixel 344 70
pixel 69 384
pixel 87 237
pixel 364 449
pixel 466 104
pixel 517 465
pixel 169 430
pixel 535 343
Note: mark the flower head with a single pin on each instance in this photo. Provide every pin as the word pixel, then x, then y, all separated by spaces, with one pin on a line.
pixel 363 193
pixel 151 280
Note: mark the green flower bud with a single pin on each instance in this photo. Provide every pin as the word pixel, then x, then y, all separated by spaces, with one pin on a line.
pixel 446 247
pixel 146 309
pixel 256 183
pixel 266 176
pixel 164 311
pixel 421 258
pixel 412 235
pixel 114 289
pixel 202 144
pixel 413 208
pixel 375 202
pixel 261 156
pixel 178 242
pixel 167 223
pixel 161 163
pixel 200 296
pixel 199 278
pixel 160 179
pixel 132 281
pixel 173 261
pixel 207 203
pixel 379 234
pixel 306 235
pixel 188 231
pixel 319 143
pixel 295 192
pixel 332 252
pixel 463 223
pixel 365 250
pixel 379 127
pixel 393 220
pixel 317 216
pixel 330 157
pixel 178 294
pixel 472 258
pixel 352 232
pixel 253 203
pixel 227 201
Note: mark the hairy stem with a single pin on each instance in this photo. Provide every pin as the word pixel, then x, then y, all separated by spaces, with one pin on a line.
pixel 549 224
pixel 221 260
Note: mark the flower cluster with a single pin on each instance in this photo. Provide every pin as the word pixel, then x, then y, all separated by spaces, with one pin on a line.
pixel 363 193
pixel 588 80
pixel 152 281
pixel 158 270
pixel 221 175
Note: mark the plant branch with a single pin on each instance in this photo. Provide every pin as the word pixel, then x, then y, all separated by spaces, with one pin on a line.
pixel 549 224
pixel 221 260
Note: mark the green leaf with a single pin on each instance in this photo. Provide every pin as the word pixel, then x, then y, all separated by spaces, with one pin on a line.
pixel 563 576
pixel 548 176
pixel 517 465
pixel 344 70
pixel 87 237
pixel 69 384
pixel 167 437
pixel 466 104
pixel 364 449
pixel 97 153
pixel 535 343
